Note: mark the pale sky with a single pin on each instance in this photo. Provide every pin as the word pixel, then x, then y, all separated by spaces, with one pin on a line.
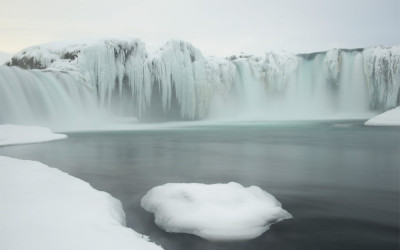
pixel 217 27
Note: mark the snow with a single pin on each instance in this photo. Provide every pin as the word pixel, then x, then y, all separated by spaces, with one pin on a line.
pixel 4 57
pixel 388 118
pixel 16 134
pixel 218 212
pixel 43 208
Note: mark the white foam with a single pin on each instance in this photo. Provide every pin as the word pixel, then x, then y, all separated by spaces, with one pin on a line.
pixel 219 212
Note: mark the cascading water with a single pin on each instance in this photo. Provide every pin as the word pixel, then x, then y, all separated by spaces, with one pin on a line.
pixel 48 98
pixel 320 87
pixel 353 91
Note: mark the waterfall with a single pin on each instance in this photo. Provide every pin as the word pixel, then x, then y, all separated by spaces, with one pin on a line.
pixel 44 97
pixel 76 82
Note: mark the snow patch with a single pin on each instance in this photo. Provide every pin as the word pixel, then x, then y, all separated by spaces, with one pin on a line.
pixel 219 212
pixel 16 134
pixel 43 208
pixel 4 57
pixel 388 118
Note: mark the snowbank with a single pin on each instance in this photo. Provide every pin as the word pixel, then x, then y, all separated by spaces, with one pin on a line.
pixel 44 208
pixel 214 212
pixel 16 134
pixel 388 118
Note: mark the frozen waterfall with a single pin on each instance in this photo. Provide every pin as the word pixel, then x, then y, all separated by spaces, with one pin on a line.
pixel 69 82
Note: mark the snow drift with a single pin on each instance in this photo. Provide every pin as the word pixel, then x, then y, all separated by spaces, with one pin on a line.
pixel 43 208
pixel 214 212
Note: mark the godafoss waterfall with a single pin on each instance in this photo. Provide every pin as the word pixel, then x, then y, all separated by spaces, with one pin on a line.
pixel 80 81
pixel 244 152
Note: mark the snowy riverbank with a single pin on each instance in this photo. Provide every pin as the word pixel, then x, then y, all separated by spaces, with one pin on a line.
pixel 44 208
pixel 16 134
pixel 388 118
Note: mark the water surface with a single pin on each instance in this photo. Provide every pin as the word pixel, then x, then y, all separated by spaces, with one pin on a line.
pixel 340 180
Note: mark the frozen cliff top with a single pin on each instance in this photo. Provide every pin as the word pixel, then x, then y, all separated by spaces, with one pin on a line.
pixel 43 208
pixel 62 55
pixel 388 118
pixel 16 134
pixel 215 212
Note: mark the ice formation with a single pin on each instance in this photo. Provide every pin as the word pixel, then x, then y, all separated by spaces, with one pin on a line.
pixel 388 118
pixel 215 212
pixel 331 66
pixel 176 82
pixel 274 69
pixel 382 70
pixel 125 75
pixel 16 134
pixel 4 57
pixel 43 208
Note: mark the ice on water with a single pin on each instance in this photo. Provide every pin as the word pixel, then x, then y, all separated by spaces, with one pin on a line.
pixel 220 212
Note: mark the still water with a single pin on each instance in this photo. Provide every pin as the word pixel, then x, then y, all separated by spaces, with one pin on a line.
pixel 340 180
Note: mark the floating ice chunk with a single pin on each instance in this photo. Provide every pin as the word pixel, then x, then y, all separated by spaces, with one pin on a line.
pixel 43 208
pixel 16 134
pixel 388 118
pixel 214 212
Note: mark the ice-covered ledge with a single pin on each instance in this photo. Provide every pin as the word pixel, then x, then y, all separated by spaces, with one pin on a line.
pixel 43 208
pixel 17 134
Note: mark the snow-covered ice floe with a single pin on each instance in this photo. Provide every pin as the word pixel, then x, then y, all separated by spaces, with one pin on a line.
pixel 219 212
pixel 388 118
pixel 16 134
pixel 43 208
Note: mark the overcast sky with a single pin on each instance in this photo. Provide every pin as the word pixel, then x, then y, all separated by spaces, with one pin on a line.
pixel 217 27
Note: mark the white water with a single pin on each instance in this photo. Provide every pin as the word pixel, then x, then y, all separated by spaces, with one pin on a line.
pixel 45 98
pixel 310 92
